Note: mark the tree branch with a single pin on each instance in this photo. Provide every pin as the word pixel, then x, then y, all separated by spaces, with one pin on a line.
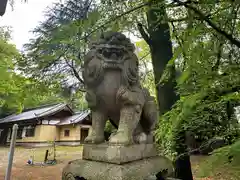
pixel 75 72
pixel 210 23
pixel 115 18
pixel 219 55
pixel 144 34
pixel 197 17
pixel 173 3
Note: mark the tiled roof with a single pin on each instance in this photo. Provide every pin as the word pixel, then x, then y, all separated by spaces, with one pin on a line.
pixel 36 113
pixel 74 118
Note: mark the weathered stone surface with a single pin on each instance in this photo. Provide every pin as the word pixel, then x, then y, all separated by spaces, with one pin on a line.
pixel 136 170
pixel 118 154
pixel 113 92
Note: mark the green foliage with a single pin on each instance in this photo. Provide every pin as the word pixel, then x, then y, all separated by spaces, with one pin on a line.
pixel 16 91
pixel 145 66
pixel 209 83
pixel 57 52
pixel 109 128
pixel 9 84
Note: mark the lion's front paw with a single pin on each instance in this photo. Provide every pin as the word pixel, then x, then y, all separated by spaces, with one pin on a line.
pixel 121 138
pixel 94 139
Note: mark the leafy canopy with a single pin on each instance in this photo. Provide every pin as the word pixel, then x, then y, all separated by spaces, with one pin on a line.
pixel 16 90
pixel 209 83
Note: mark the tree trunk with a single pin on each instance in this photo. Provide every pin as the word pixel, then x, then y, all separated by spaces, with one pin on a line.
pixel 159 40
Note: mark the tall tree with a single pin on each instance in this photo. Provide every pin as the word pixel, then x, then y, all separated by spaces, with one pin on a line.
pixel 159 40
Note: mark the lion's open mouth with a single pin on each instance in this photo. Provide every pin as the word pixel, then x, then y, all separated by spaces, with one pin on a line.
pixel 112 55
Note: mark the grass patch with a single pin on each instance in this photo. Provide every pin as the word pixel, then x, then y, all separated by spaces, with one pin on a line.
pixel 62 152
pixel 69 148
pixel 224 163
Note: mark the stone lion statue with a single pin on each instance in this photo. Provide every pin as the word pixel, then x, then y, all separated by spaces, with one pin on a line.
pixel 114 92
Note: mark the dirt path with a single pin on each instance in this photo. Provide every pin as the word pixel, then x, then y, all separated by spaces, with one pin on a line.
pixel 195 163
pixel 22 171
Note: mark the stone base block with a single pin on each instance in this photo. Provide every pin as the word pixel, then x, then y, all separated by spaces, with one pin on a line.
pixel 118 154
pixel 136 170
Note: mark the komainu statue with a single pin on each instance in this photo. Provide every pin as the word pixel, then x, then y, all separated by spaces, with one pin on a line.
pixel 114 92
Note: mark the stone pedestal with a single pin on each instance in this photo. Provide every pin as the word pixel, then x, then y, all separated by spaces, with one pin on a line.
pixel 104 162
pixel 118 154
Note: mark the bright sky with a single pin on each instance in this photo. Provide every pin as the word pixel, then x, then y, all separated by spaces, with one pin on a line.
pixel 23 18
